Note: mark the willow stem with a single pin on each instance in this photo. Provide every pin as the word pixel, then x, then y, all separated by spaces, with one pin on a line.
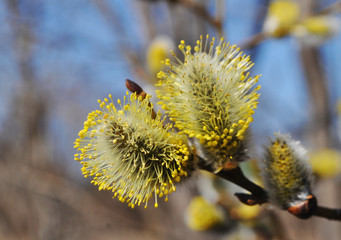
pixel 329 213
pixel 259 195
pixel 237 177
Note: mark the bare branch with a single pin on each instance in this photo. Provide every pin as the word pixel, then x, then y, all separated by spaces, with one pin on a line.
pixel 253 41
pixel 202 12
pixel 259 195
pixel 329 213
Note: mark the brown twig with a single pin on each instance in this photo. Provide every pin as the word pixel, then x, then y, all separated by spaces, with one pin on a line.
pixel 110 16
pixel 253 41
pixel 317 86
pixel 202 12
pixel 237 177
pixel 329 213
pixel 259 195
pixel 257 38
pixel 331 9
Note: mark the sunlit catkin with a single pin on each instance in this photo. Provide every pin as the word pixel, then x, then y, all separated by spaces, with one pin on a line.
pixel 127 151
pixel 287 176
pixel 210 96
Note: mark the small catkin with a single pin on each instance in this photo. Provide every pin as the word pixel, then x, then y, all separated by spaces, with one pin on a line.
pixel 286 173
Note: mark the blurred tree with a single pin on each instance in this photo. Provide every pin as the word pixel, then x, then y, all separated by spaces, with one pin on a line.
pixel 57 57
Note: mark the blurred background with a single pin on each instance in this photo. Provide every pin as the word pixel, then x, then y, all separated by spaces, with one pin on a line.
pixel 58 57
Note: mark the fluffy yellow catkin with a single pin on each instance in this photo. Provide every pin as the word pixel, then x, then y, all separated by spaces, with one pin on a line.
pixel 286 172
pixel 202 215
pixel 211 97
pixel 281 18
pixel 130 153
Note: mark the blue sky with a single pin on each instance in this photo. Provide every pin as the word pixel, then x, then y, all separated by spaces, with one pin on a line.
pixel 81 60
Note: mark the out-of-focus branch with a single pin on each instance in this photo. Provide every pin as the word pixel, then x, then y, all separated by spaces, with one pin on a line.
pixel 317 86
pixel 202 12
pixel 23 41
pixel 220 7
pixel 31 109
pixel 115 23
pixel 253 41
pixel 148 18
pixel 331 9
pixel 257 38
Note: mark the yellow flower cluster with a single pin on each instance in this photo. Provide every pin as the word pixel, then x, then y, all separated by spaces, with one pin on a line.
pixel 286 175
pixel 282 15
pixel 245 212
pixel 284 18
pixel 314 30
pixel 317 25
pixel 128 152
pixel 157 51
pixel 211 98
pixel 202 215
pixel 326 162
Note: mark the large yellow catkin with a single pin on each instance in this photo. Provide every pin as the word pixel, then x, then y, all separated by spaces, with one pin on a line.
pixel 211 97
pixel 127 151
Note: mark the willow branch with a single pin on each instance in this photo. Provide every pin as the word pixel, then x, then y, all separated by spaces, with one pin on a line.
pixel 259 195
pixel 253 41
pixel 331 9
pixel 202 12
pixel 329 213
pixel 237 177
pixel 257 38
pixel 110 16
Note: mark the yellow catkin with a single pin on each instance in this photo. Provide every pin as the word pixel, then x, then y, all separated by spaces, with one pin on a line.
pixel 287 175
pixel 326 163
pixel 128 152
pixel 202 215
pixel 211 97
pixel 281 18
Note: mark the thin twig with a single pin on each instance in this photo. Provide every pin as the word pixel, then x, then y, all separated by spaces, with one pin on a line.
pixel 202 12
pixel 237 177
pixel 220 9
pixel 259 194
pixel 329 213
pixel 110 16
pixel 331 9
pixel 257 38
pixel 317 86
pixel 253 41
